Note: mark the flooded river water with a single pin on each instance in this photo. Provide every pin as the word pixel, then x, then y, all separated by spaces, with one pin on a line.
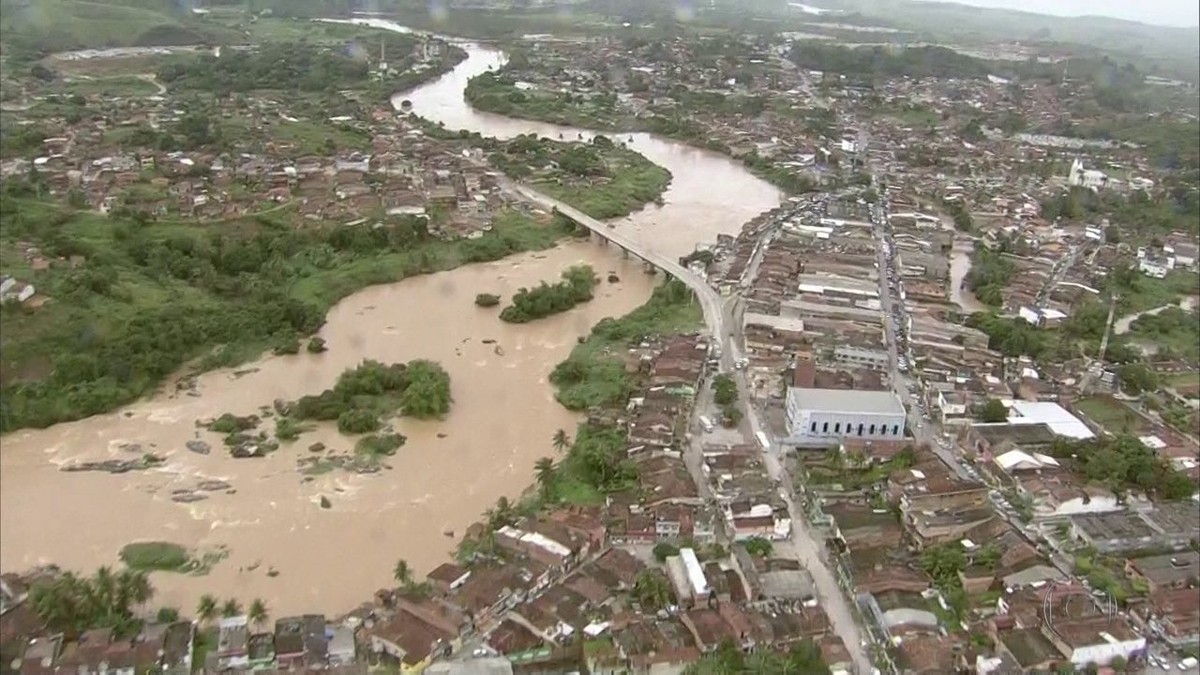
pixel 450 471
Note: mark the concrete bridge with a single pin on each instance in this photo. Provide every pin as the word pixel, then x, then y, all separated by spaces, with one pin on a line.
pixel 710 300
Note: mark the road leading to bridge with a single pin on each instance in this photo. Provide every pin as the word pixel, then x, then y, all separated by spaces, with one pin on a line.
pixel 710 300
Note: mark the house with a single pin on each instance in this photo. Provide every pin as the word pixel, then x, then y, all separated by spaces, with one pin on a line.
pixel 925 655
pixel 342 649
pixel 19 291
pixel 40 655
pixel 1171 570
pixel 178 643
pixel 233 643
pixel 1095 639
pixel 262 651
pixel 448 577
pixel 1086 178
pixel 1173 614
pixel 1124 531
pixel 408 640
pixel 290 640
pixel 1030 649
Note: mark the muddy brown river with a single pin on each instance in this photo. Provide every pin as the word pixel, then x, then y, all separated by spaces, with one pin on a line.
pixel 270 519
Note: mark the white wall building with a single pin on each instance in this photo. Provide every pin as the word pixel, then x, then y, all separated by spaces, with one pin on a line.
pixel 1108 647
pixel 875 359
pixel 1086 178
pixel 1155 265
pixel 815 415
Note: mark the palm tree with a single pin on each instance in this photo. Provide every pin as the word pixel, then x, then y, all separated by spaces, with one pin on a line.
pixel 134 587
pixel 206 609
pixel 402 573
pixel 546 475
pixel 104 586
pixel 651 590
pixel 561 440
pixel 257 612
pixel 231 608
pixel 500 515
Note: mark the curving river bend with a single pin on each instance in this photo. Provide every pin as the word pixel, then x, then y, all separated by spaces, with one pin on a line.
pixel 449 472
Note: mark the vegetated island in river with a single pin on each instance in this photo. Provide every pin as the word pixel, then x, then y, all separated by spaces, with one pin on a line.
pixel 545 299
pixel 361 402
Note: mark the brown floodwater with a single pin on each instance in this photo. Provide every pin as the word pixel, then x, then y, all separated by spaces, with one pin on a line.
pixel 447 474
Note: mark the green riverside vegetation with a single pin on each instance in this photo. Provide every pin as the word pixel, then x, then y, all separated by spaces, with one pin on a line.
pixel 73 604
pixel 594 374
pixel 487 300
pixel 528 304
pixel 155 556
pixel 990 273
pixel 153 296
pixel 601 179
pixel 365 396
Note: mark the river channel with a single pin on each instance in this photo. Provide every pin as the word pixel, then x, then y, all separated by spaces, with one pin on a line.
pixel 282 545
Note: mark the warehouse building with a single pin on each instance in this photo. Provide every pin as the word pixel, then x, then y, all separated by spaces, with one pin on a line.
pixel 821 416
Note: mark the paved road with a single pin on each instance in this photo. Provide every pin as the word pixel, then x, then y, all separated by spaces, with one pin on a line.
pixel 809 550
pixel 924 432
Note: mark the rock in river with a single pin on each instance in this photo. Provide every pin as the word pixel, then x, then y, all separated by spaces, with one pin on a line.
pixel 117 465
pixel 199 447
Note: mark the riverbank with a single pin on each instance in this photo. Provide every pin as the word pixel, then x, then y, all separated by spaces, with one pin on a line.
pixel 595 375
pixel 254 286
pixel 490 92
pixel 601 178
pixel 270 514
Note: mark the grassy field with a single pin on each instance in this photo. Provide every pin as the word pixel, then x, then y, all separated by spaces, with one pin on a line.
pixel 1187 384
pixel 1114 416
pixel 1149 293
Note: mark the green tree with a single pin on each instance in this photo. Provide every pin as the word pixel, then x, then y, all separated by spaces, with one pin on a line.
pixel 724 389
pixel 231 608
pixel 257 614
pixel 561 440
pixel 989 556
pixel 943 563
pixel 546 476
pixel 757 546
pixel 994 411
pixel 428 391
pixel 663 550
pixel 166 615
pixel 652 590
pixel 1137 378
pixel 500 515
pixel 401 573
pixel 206 608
